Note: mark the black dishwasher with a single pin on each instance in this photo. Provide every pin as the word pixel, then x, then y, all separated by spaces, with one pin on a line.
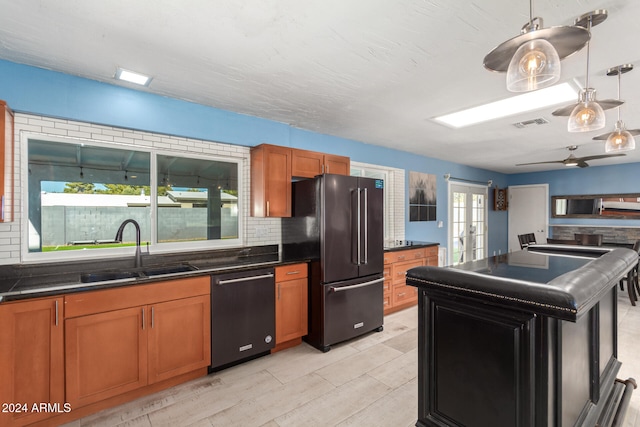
pixel 242 316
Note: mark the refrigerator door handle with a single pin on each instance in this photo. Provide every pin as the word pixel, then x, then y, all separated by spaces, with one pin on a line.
pixel 366 228
pixel 359 226
pixel 359 285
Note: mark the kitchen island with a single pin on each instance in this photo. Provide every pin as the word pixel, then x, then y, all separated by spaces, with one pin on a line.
pixel 522 339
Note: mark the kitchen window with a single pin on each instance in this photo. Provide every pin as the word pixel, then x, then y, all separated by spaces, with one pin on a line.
pixel 78 194
pixel 392 230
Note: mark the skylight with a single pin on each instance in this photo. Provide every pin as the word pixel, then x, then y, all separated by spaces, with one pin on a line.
pixel 529 101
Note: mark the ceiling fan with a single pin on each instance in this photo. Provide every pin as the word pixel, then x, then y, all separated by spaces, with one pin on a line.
pixel 573 160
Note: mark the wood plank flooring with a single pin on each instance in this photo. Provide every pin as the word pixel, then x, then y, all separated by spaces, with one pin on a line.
pixel 370 381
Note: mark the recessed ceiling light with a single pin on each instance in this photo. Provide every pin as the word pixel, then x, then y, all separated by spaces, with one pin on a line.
pixel 510 106
pixel 132 77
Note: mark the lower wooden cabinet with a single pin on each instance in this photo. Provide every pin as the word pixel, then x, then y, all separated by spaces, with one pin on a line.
pixel 31 359
pixel 179 337
pixel 291 304
pixel 397 295
pixel 111 350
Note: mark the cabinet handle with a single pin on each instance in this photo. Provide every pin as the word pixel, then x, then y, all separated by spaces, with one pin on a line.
pixel 293 272
pixel 56 312
pixel 267 208
pixel 322 168
pixel 152 316
pixel 327 168
pixel 278 291
pixel 143 318
pixel 401 256
pixel 401 294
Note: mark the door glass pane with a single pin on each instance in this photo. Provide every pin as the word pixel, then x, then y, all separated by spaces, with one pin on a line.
pixel 459 225
pixel 197 199
pixel 79 194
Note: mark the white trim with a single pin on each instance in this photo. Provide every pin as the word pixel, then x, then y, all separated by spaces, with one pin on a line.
pixel 484 188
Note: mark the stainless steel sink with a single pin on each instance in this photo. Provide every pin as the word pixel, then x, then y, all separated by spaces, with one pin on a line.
pixel 170 269
pixel 105 276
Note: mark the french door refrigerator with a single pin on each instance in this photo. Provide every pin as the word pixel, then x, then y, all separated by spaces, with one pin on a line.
pixel 337 223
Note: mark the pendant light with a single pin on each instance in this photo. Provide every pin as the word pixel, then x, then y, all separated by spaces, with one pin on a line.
pixel 532 59
pixel 620 139
pixel 587 114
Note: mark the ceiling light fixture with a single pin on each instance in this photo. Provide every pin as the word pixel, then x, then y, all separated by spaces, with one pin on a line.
pixel 510 106
pixel 532 59
pixel 132 77
pixel 620 139
pixel 587 114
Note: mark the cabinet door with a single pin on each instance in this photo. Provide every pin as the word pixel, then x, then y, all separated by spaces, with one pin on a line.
pixel 31 357
pixel 337 164
pixel 270 181
pixel 291 309
pixel 106 355
pixel 306 164
pixel 179 337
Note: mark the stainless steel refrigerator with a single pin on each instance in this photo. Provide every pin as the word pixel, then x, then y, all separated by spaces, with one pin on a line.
pixel 337 223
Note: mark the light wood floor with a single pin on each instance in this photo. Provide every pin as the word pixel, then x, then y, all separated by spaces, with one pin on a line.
pixel 370 381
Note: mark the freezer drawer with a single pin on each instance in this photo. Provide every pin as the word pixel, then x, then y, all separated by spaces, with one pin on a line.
pixel 345 310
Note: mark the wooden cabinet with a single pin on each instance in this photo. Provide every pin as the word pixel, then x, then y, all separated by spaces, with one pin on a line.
pixel 6 162
pixel 106 355
pixel 291 305
pixel 397 295
pixel 270 181
pixel 179 337
pixel 272 169
pixel 119 340
pixel 307 164
pixel 32 359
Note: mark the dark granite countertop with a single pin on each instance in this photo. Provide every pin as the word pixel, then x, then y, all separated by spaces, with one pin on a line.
pixel 398 245
pixel 22 281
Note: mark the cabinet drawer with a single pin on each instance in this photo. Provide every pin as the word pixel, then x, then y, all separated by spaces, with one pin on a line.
pixel 400 269
pixel 431 251
pixel 91 302
pixel 290 272
pixel 386 287
pixel 403 294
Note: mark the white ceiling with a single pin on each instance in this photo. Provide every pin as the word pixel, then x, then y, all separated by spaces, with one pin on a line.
pixel 375 71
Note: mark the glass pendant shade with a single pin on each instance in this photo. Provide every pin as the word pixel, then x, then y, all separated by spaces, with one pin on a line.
pixel 620 140
pixel 588 115
pixel 535 65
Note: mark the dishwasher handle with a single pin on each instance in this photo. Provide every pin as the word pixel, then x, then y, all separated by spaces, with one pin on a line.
pixel 243 279
pixel 359 285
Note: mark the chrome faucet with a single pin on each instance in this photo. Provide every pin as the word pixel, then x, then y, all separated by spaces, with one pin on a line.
pixel 118 238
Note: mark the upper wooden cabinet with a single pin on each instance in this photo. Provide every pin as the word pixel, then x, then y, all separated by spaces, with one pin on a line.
pixel 270 181
pixel 6 162
pixel 272 169
pixel 307 164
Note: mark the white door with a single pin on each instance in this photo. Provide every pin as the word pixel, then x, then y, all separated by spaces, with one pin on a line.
pixel 528 213
pixel 468 223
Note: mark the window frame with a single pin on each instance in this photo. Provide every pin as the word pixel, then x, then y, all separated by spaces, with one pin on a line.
pixel 154 247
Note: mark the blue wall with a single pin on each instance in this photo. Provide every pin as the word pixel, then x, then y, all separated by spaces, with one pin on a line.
pixel 43 92
pixel 623 178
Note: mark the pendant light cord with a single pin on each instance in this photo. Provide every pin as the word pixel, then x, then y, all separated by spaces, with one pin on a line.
pixel 619 79
pixel 588 50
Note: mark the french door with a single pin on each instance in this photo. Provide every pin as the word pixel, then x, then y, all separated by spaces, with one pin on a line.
pixel 467 223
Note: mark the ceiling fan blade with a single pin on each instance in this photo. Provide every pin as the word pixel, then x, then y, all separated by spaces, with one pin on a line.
pixel 564 111
pixel 539 163
pixel 605 136
pixel 582 164
pixel 599 156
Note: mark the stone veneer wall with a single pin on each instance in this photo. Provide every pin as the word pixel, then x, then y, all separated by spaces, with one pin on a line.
pixel 625 235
